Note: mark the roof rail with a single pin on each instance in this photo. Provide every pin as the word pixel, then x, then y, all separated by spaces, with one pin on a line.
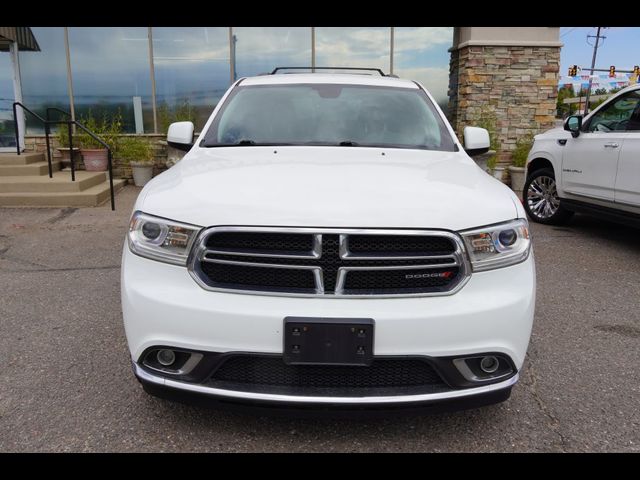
pixel 275 70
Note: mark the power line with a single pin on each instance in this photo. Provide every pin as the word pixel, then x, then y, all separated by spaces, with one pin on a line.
pixel 568 32
pixel 597 36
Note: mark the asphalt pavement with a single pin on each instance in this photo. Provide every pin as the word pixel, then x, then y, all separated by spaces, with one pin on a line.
pixel 66 383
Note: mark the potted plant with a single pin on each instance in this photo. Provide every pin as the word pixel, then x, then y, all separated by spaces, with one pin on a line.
pixel 63 148
pixel 519 156
pixel 488 121
pixel 138 153
pixel 494 169
pixel 93 152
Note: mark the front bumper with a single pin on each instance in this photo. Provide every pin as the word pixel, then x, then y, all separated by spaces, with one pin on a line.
pixel 162 305
pixel 374 401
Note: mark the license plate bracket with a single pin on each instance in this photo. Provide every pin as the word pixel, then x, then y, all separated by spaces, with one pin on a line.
pixel 328 341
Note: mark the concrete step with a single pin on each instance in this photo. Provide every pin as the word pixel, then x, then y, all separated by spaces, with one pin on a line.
pixel 25 158
pixel 91 197
pixel 61 182
pixel 36 168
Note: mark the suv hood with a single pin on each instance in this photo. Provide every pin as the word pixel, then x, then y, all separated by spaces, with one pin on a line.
pixel 328 187
pixel 554 133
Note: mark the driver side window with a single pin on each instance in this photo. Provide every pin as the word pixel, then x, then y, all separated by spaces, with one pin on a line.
pixel 615 117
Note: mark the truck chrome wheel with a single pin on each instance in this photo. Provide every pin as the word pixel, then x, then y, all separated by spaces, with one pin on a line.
pixel 542 197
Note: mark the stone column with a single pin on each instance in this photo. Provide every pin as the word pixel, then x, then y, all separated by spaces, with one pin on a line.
pixel 507 74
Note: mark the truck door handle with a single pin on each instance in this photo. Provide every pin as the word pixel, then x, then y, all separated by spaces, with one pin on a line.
pixel 611 145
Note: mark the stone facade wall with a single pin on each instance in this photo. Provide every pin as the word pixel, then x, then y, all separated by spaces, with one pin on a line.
pixel 518 84
pixel 120 169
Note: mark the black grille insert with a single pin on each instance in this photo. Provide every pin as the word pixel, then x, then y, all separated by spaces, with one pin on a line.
pixel 262 373
pixel 399 245
pixel 262 242
pixel 225 275
pixel 403 281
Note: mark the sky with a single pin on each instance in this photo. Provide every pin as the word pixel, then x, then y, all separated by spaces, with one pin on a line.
pixel 620 48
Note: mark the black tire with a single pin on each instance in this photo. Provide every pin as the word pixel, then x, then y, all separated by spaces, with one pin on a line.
pixel 541 186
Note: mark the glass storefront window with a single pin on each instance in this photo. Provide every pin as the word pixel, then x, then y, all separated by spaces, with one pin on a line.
pixel 7 132
pixel 110 66
pixel 192 72
pixel 421 54
pixel 353 47
pixel 44 76
pixel 261 49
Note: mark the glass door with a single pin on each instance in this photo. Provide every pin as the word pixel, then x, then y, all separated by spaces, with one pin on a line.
pixel 7 129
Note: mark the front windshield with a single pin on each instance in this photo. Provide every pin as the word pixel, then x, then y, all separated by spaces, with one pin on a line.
pixel 329 114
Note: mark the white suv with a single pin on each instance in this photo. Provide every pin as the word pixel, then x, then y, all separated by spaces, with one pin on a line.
pixel 592 165
pixel 327 241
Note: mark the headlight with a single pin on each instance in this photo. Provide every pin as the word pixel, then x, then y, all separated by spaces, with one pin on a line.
pixel 161 239
pixel 499 245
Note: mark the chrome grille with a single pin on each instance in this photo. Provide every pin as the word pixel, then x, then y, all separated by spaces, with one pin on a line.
pixel 329 262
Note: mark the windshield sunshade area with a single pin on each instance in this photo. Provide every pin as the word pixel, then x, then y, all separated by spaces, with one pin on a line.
pixel 329 114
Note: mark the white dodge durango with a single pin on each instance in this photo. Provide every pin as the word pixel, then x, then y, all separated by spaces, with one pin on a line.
pixel 328 242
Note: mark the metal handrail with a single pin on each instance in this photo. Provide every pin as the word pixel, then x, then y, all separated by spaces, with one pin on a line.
pixel 70 132
pixel 47 122
pixel 46 132
pixel 109 157
pixel 58 110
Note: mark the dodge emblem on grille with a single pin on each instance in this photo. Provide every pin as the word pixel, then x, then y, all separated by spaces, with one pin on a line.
pixel 429 275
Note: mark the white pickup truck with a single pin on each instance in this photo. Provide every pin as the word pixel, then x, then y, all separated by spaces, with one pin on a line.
pixel 327 241
pixel 592 165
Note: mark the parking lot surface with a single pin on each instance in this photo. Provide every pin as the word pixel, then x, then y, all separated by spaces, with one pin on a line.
pixel 66 382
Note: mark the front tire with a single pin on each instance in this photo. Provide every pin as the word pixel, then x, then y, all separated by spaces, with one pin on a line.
pixel 541 201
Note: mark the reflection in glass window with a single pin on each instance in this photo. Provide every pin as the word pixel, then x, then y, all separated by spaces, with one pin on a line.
pixel 617 115
pixel 7 134
pixel 421 54
pixel 44 75
pixel 110 66
pixel 261 49
pixel 353 47
pixel 192 72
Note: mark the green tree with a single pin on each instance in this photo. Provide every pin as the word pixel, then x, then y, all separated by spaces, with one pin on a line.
pixel 563 109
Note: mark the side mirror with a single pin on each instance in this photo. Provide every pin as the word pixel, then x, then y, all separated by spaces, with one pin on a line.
pixel 476 141
pixel 573 124
pixel 180 135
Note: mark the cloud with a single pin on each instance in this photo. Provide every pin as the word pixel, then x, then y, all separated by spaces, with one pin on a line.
pixel 434 79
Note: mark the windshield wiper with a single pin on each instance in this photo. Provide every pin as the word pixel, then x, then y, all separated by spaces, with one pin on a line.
pixel 348 143
pixel 246 142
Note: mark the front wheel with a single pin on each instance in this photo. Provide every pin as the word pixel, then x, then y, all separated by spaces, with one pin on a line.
pixel 541 201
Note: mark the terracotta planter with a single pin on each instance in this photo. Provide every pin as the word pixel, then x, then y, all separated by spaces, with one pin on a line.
pixel 517 178
pixel 142 173
pixel 95 160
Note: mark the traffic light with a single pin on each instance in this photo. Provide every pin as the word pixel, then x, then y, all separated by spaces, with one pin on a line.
pixel 636 70
pixel 573 70
pixel 612 71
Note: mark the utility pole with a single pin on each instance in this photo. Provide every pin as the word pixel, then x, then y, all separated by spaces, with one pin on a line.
pixel 593 66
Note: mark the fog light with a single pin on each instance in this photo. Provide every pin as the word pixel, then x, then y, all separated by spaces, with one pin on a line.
pixel 166 357
pixel 489 364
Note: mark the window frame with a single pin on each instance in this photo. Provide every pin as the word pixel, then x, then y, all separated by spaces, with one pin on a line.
pixel 634 114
